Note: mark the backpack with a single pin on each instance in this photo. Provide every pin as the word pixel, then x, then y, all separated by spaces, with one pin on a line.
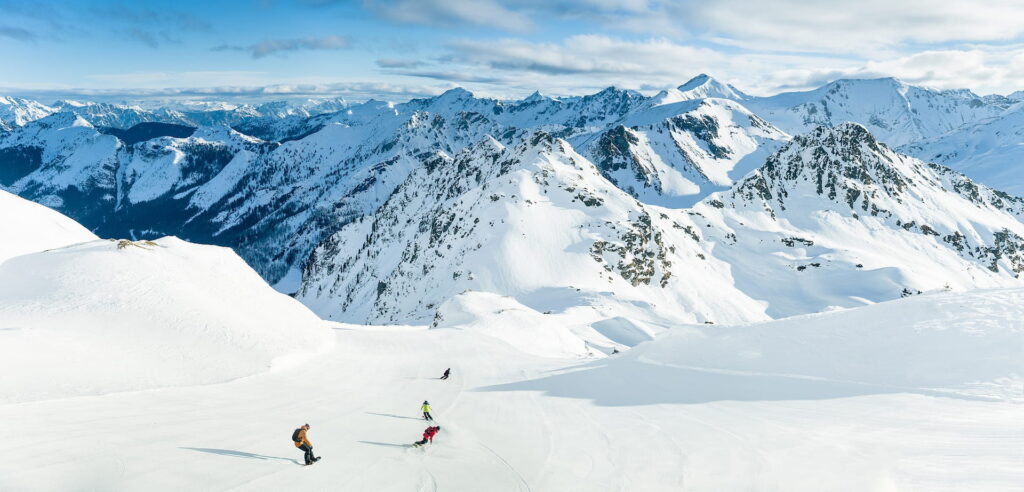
pixel 295 435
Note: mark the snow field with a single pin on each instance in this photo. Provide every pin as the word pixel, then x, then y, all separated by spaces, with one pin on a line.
pixel 695 409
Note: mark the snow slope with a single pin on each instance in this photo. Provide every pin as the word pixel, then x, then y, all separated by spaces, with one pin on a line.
pixel 880 398
pixel 28 227
pixel 106 316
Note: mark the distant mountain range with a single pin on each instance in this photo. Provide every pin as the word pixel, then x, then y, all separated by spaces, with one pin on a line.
pixel 700 203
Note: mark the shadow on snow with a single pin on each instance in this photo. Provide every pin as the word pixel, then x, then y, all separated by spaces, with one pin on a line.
pixel 385 444
pixel 394 416
pixel 631 382
pixel 239 454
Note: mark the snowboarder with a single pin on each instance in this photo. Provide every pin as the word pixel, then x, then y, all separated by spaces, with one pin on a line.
pixel 446 373
pixel 428 436
pixel 426 411
pixel 302 442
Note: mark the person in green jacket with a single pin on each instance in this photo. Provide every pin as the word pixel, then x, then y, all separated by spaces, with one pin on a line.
pixel 426 411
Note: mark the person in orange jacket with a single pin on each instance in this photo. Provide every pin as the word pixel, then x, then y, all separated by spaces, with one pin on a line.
pixel 302 442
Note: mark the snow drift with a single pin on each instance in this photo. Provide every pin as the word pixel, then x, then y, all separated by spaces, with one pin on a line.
pixel 29 227
pixel 106 316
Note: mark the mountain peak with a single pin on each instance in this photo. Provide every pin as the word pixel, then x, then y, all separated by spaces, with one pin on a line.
pixel 535 97
pixel 455 93
pixel 697 81
pixel 884 82
pixel 63 119
pixel 849 129
pixel 700 87
pixel 848 140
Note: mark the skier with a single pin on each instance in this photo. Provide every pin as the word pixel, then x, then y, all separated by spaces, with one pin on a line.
pixel 446 373
pixel 428 436
pixel 426 411
pixel 302 442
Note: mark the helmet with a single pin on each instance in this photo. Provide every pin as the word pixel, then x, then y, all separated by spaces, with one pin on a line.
pixel 425 402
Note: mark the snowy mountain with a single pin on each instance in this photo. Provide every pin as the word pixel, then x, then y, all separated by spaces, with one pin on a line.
pixel 832 204
pixel 326 175
pixel 676 154
pixel 895 112
pixel 836 218
pixel 270 120
pixel 117 115
pixel 16 111
pixel 700 87
pixel 536 221
pixel 990 151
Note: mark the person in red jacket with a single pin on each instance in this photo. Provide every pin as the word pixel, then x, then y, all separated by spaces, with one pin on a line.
pixel 428 436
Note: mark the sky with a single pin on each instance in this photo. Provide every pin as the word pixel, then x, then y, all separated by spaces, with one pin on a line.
pixel 400 49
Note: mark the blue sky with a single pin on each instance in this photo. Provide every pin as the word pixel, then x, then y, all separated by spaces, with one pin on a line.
pixel 397 49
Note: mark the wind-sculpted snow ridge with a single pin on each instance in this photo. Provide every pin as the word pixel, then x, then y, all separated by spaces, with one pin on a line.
pixel 677 154
pixel 28 227
pixel 535 221
pixel 106 316
pixel 836 218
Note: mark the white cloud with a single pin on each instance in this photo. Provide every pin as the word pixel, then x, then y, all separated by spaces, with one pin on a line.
pixel 582 63
pixel 238 93
pixel 271 46
pixel 820 26
pixel 985 70
pixel 852 27
pixel 448 13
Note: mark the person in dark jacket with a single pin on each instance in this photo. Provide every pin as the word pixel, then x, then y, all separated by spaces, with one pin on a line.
pixel 446 373
pixel 302 442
